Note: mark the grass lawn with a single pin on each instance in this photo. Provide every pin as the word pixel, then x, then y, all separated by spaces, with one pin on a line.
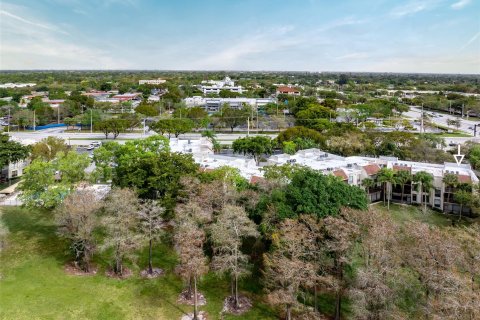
pixel 406 213
pixel 33 284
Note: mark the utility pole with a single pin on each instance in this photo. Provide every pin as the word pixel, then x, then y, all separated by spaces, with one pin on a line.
pixel 421 120
pixel 248 127
pixel 91 120
pixel 34 120
pixel 8 128
pixel 257 115
pixel 58 114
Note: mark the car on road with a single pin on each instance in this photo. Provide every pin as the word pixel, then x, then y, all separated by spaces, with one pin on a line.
pixel 96 144
pixel 91 147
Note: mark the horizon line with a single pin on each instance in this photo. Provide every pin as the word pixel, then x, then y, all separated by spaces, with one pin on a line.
pixel 238 71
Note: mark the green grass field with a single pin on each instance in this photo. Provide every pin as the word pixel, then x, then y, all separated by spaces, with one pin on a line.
pixel 35 286
pixel 405 213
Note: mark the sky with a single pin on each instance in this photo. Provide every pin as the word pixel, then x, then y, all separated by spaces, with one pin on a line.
pixel 430 36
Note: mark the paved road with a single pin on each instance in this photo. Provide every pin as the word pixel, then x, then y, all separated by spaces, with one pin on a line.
pixel 465 124
pixel 84 138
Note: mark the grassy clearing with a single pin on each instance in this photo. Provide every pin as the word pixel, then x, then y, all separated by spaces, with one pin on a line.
pixel 34 285
pixel 408 213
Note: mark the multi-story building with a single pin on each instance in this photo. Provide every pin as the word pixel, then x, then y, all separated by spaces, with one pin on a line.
pixel 217 86
pixel 353 170
pixel 214 104
pixel 13 170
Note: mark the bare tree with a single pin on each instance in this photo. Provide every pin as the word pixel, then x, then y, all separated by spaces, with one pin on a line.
pixel 470 241
pixel 339 235
pixel 227 233
pixel 76 221
pixel 377 283
pixel 434 258
pixel 121 224
pixel 151 223
pixel 288 267
pixel 189 240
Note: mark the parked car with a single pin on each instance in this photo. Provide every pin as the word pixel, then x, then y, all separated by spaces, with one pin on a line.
pixel 91 147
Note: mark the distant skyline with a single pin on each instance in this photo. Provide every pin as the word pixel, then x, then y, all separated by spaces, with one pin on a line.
pixel 430 36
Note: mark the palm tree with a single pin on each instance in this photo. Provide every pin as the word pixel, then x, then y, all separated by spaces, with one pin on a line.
pixel 367 183
pixel 450 180
pixel 402 177
pixel 212 136
pixel 385 176
pixel 425 183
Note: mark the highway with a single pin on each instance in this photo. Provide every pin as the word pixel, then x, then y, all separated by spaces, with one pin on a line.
pixel 441 119
pixel 85 138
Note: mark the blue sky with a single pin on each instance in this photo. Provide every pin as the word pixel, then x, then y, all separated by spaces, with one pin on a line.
pixel 313 35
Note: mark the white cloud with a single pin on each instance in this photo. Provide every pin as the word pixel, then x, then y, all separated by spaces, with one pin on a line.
pixel 262 42
pixel 28 43
pixel 354 56
pixel 460 4
pixel 413 7
pixel 10 15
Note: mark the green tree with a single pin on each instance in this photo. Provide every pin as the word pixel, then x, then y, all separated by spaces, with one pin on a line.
pixel 313 116
pixel 153 175
pixel 280 174
pixel 44 114
pixel 148 110
pixel 254 146
pixel 114 126
pixel 233 117
pixel 199 116
pixel 473 156
pixel 11 151
pixel 23 118
pixel 48 148
pixel 289 147
pixel 291 134
pixel 70 122
pixel 173 126
pixel 312 192
pixel 181 126
pixel 46 183
pixel 463 198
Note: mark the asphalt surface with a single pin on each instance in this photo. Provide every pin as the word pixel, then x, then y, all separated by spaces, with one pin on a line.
pixel 441 119
pixel 85 138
